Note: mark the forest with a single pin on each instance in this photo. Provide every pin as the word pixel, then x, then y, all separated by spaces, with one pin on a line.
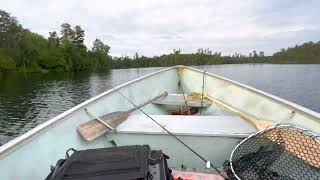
pixel 26 51
pixel 23 50
pixel 307 53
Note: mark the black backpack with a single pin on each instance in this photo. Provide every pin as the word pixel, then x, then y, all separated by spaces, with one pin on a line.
pixel 116 163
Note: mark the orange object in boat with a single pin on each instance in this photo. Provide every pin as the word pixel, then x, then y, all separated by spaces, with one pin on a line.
pixel 182 175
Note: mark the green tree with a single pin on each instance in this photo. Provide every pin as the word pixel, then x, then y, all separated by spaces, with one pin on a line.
pixel 53 39
pixel 176 51
pixel 261 54
pixel 100 47
pixel 37 54
pixel 67 34
pixel 78 39
pixel 71 55
pixel 100 53
pixel 6 62
pixel 136 56
pixel 10 35
pixel 255 54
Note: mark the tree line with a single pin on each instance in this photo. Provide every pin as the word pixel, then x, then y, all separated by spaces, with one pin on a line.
pixel 21 49
pixel 307 53
pixel 201 57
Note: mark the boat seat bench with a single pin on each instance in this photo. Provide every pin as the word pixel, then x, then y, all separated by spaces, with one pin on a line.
pixel 188 125
pixel 180 100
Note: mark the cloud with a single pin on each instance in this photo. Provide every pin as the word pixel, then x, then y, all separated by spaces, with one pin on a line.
pixel 158 26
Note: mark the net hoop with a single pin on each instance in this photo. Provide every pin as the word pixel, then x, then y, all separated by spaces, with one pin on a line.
pixel 315 136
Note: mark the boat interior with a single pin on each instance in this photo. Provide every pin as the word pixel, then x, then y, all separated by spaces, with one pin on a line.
pixel 207 127
pixel 210 128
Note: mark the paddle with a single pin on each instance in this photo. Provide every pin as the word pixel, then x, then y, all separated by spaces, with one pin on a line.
pixel 98 126
pixel 259 124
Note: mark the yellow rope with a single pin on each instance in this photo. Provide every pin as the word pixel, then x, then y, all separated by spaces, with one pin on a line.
pixel 180 71
pixel 194 96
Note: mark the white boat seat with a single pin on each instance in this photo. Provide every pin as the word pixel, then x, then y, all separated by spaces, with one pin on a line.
pixel 178 100
pixel 188 125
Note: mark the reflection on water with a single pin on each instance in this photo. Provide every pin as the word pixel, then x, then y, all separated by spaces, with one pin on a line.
pixel 29 100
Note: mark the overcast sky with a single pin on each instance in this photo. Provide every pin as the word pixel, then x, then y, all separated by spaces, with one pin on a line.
pixel 154 27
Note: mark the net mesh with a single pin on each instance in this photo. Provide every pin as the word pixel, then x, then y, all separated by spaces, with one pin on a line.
pixel 281 152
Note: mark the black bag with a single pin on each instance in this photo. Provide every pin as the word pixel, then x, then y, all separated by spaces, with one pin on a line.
pixel 158 166
pixel 116 163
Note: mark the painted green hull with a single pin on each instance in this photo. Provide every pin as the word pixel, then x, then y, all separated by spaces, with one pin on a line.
pixel 30 155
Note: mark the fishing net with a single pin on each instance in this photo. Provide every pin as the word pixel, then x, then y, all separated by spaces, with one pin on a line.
pixel 280 152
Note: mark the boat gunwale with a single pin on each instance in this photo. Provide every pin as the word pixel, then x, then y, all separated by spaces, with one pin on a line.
pixel 274 98
pixel 28 136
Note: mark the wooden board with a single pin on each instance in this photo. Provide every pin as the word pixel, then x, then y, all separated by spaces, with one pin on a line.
pixel 100 125
pixel 92 129
pixel 178 100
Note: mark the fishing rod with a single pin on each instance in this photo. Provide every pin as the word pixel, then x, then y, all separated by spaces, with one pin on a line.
pixel 209 164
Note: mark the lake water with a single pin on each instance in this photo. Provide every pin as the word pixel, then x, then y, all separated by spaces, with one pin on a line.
pixel 29 100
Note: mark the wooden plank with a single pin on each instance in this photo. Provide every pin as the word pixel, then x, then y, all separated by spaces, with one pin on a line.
pixel 100 125
pixel 178 100
pixel 92 129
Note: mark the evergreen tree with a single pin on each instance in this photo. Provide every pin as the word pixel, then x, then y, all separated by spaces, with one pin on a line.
pixel 53 39
pixel 100 47
pixel 67 34
pixel 78 39
pixel 261 54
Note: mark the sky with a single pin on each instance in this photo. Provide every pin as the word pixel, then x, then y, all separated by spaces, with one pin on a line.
pixel 155 27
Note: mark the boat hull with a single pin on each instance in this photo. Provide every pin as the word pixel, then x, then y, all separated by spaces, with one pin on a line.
pixel 30 155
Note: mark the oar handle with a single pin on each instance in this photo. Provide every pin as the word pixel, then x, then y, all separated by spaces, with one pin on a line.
pixel 149 101
pixel 259 124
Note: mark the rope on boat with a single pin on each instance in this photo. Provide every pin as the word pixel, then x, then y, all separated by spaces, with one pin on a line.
pixel 171 134
pixel 204 72
pixel 194 96
pixel 191 96
pixel 179 71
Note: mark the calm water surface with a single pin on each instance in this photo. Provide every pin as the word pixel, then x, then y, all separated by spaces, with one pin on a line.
pixel 29 100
